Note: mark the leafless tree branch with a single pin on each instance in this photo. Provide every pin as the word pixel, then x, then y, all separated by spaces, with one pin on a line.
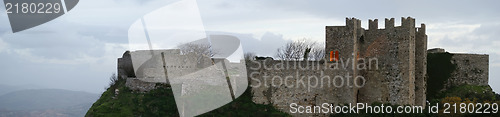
pixel 295 50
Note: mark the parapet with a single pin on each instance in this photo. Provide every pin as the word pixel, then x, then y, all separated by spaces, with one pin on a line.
pixel 353 22
pixel 373 24
pixel 421 29
pixel 389 23
pixel 408 22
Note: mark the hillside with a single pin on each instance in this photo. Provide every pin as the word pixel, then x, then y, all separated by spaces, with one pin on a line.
pixel 160 102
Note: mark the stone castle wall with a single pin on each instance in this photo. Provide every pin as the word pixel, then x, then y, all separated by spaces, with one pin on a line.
pixel 420 66
pixel 471 69
pixel 306 83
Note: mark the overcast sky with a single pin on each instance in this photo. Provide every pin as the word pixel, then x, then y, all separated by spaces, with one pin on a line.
pixel 78 50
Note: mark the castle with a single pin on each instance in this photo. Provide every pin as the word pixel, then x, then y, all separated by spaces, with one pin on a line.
pixel 398 76
pixel 386 65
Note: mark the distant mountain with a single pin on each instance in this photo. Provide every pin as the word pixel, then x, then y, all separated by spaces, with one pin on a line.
pixel 4 89
pixel 46 102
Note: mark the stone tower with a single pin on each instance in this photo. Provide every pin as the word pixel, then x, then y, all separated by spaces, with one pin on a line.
pixel 398 76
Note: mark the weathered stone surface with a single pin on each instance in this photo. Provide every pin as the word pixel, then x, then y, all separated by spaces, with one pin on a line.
pixel 395 48
pixel 471 69
pixel 139 85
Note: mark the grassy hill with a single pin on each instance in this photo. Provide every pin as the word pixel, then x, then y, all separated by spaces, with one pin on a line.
pixel 161 102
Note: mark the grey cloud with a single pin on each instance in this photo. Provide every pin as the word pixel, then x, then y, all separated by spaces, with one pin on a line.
pixel 87 30
pixel 265 46
pixel 429 9
pixel 481 37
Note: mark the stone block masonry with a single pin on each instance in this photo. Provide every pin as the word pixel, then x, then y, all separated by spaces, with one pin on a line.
pixel 401 52
pixel 472 69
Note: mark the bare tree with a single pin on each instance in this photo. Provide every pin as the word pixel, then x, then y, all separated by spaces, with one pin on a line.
pixel 293 50
pixel 113 79
pixel 318 52
pixel 198 49
pixel 296 50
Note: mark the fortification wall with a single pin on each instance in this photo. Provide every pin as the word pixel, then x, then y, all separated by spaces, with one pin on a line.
pixel 420 66
pixel 306 83
pixel 471 69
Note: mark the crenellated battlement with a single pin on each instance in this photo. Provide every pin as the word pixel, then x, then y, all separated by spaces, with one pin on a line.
pixel 372 24
pixel 421 29
pixel 407 22
pixel 389 23
pixel 353 22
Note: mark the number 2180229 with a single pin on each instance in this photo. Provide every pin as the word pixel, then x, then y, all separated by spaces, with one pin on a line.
pixel 33 7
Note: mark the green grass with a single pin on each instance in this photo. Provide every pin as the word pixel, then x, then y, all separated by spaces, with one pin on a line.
pixel 481 93
pixel 244 106
pixel 157 102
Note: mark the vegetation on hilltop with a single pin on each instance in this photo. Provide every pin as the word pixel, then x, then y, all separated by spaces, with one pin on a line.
pixel 160 102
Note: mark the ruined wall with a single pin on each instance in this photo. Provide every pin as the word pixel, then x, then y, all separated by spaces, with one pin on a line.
pixel 126 71
pixel 307 83
pixel 144 68
pixel 139 85
pixel 124 64
pixel 471 69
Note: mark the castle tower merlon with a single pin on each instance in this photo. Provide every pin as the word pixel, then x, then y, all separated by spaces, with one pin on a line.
pixel 372 24
pixel 421 30
pixel 359 23
pixel 389 23
pixel 408 22
pixel 352 23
